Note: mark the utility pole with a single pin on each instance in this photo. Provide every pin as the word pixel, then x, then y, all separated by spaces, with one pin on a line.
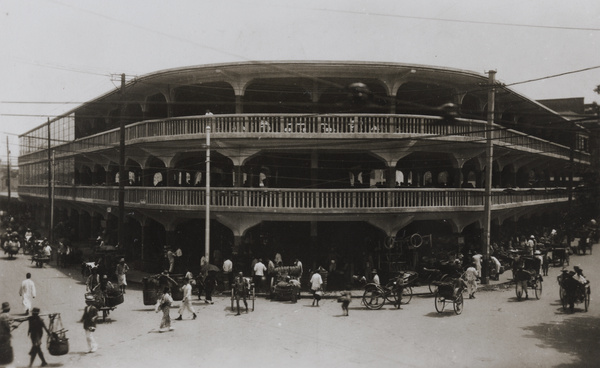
pixel 207 204
pixel 8 174
pixel 122 174
pixel 489 155
pixel 50 199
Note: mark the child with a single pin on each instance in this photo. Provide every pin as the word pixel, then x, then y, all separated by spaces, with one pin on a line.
pixel 345 298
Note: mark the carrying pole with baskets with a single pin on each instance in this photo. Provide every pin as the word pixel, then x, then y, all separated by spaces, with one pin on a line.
pixel 58 343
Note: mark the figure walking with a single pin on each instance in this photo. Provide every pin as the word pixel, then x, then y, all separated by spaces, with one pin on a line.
pixel 471 276
pixel 27 292
pixel 345 298
pixel 36 331
pixel 164 305
pixel 186 303
pixel 316 282
pixel 240 290
pixel 90 315
pixel 121 272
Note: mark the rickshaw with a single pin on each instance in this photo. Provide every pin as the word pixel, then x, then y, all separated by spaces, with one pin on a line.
pixel 528 276
pixel 105 301
pixel 449 292
pixel 572 291
pixel 397 291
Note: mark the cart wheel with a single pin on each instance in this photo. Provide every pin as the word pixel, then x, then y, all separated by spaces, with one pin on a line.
pixel 407 295
pixel 440 303
pixel 519 290
pixel 458 304
pixel 538 289
pixel 373 298
pixel 232 297
pixel 586 300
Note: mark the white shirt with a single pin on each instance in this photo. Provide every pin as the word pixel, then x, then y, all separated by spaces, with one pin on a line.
pixel 27 289
pixel 187 292
pixel 316 281
pixel 259 269
pixel 227 266
pixel 376 279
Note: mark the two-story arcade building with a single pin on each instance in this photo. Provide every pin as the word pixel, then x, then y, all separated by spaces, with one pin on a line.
pixel 315 160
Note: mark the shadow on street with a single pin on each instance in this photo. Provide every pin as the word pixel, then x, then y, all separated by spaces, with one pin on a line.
pixel 577 336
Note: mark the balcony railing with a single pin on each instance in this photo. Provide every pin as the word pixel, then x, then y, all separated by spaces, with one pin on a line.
pixel 313 126
pixel 297 199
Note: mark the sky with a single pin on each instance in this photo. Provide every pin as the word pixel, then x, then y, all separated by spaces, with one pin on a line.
pixel 57 54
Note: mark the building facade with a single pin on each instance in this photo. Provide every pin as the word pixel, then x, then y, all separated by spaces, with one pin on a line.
pixel 315 160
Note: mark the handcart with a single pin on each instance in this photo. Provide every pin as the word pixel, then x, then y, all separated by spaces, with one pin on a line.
pixel 40 259
pixel 104 302
pixel 285 283
pixel 449 292
pixel 250 293
pixel 11 248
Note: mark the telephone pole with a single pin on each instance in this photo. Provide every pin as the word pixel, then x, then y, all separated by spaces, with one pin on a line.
pixel 489 155
pixel 8 174
pixel 122 174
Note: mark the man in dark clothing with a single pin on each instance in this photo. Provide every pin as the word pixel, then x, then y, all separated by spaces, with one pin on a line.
pixel 240 289
pixel 6 350
pixel 36 331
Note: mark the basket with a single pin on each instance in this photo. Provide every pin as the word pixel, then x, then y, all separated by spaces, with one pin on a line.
pixel 92 299
pixel 113 300
pixel 58 343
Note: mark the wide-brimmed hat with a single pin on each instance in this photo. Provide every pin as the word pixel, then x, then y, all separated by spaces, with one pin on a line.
pixel 5 306
pixel 122 260
pixel 537 252
pixel 35 310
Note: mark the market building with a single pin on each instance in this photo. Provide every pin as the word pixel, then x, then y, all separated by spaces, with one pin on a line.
pixel 314 160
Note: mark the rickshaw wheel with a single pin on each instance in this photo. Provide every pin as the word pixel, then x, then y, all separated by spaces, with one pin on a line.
pixel 519 290
pixel 586 299
pixel 440 303
pixel 407 295
pixel 373 298
pixel 458 304
pixel 538 289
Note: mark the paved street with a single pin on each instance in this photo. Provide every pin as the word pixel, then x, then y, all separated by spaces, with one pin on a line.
pixel 495 330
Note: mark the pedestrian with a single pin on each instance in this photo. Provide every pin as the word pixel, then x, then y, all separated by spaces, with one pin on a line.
pixel 171 259
pixel 35 332
pixel 240 290
pixel 375 279
pixel 259 274
pixel 179 259
pixel 210 282
pixel 316 282
pixel 164 304
pixel 228 272
pixel 121 273
pixel 6 350
pixel 477 262
pixel 471 276
pixel 27 292
pixel 298 264
pixel 186 302
pixel 89 318
pixel 93 280
pixel 345 299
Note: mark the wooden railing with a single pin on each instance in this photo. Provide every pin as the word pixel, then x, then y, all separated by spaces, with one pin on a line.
pixel 296 199
pixel 313 126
